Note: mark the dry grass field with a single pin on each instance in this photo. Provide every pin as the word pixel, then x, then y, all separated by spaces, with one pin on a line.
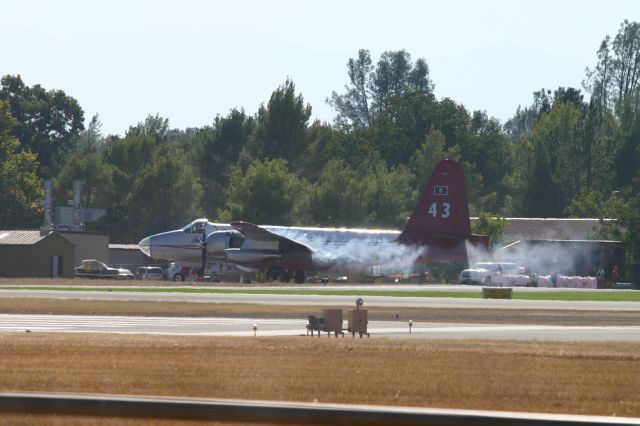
pixel 578 378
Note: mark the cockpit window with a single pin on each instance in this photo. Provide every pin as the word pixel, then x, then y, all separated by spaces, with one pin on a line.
pixel 195 227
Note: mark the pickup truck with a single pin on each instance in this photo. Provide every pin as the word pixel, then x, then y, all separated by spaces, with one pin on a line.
pixel 91 268
pixel 494 273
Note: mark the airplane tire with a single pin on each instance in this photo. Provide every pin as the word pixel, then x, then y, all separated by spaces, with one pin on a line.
pixel 487 281
pixel 299 277
pixel 286 276
pixel 274 274
pixel 178 277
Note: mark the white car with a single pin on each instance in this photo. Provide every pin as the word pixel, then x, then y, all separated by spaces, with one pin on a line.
pixel 494 273
pixel 150 273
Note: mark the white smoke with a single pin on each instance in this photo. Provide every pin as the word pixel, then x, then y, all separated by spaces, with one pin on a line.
pixel 342 249
pixel 544 259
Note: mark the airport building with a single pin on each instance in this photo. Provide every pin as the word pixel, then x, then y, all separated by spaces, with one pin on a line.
pixel 33 253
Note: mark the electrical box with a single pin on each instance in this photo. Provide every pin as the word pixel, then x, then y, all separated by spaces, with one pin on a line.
pixel 332 320
pixel 357 322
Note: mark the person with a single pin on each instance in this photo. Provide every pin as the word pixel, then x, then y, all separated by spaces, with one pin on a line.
pixel 600 277
pixel 615 274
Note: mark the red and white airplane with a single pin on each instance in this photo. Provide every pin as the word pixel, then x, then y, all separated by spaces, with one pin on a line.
pixel 437 230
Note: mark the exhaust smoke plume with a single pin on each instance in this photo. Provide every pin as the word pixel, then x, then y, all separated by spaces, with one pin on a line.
pixel 351 248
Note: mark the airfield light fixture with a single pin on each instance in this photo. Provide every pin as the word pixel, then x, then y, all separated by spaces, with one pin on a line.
pixel 255 329
pixel 410 325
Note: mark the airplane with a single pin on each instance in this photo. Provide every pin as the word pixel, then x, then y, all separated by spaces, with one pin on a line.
pixel 438 230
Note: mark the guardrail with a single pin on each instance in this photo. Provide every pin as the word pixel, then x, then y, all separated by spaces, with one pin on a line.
pixel 226 410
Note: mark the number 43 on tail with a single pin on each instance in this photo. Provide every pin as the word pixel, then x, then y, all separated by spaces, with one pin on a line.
pixel 446 210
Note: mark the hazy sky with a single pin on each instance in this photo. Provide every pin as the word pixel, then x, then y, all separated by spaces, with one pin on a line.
pixel 191 60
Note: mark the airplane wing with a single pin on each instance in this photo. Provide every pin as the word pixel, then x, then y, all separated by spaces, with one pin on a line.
pixel 255 232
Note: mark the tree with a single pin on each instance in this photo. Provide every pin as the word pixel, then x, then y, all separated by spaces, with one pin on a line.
pixel 324 144
pixel 265 194
pixel 46 121
pixel 598 81
pixel 525 118
pixel 586 204
pixel 97 184
pixel 372 89
pixel 626 49
pixel 216 149
pixel 403 125
pixel 353 107
pixel 130 155
pixel 281 127
pixel 552 162
pixel 488 224
pixel 370 195
pixel 425 158
pixel 87 163
pixel 166 195
pixel 617 71
pixel 20 187
pixel 154 126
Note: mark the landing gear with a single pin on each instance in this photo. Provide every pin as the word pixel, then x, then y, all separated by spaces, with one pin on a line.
pixel 278 273
pixel 275 274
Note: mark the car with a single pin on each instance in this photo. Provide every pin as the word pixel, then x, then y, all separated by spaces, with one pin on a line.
pixel 150 273
pixel 92 268
pixel 492 273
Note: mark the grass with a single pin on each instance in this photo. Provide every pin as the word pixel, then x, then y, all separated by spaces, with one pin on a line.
pixel 595 295
pixel 577 378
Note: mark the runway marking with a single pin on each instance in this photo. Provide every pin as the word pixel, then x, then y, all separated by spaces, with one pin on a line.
pixel 216 326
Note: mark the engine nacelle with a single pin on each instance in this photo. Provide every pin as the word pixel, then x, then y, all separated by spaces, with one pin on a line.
pixel 219 241
pixel 245 256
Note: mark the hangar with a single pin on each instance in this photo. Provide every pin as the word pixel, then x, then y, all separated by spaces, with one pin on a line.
pixel 32 253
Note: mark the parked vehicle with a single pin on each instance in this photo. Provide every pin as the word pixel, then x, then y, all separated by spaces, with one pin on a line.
pixel 91 268
pixel 494 273
pixel 178 273
pixel 150 273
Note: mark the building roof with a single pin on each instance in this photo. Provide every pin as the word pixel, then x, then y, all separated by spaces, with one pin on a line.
pixel 525 228
pixel 21 237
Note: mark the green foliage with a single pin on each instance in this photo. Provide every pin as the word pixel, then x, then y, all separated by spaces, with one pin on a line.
pixel 216 149
pixel 46 121
pixel 488 224
pixel 166 195
pixel 586 204
pixel 266 193
pixel 281 127
pixel 369 195
pixel 20 187
pixel 372 90
pixel 426 157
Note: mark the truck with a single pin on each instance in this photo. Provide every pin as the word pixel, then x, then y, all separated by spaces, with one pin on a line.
pixel 494 273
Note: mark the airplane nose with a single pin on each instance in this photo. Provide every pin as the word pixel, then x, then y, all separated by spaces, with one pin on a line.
pixel 145 246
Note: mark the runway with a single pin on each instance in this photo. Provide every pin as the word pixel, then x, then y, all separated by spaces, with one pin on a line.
pixel 287 327
pixel 325 300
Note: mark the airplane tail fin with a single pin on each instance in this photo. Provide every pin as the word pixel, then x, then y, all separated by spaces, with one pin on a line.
pixel 442 209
